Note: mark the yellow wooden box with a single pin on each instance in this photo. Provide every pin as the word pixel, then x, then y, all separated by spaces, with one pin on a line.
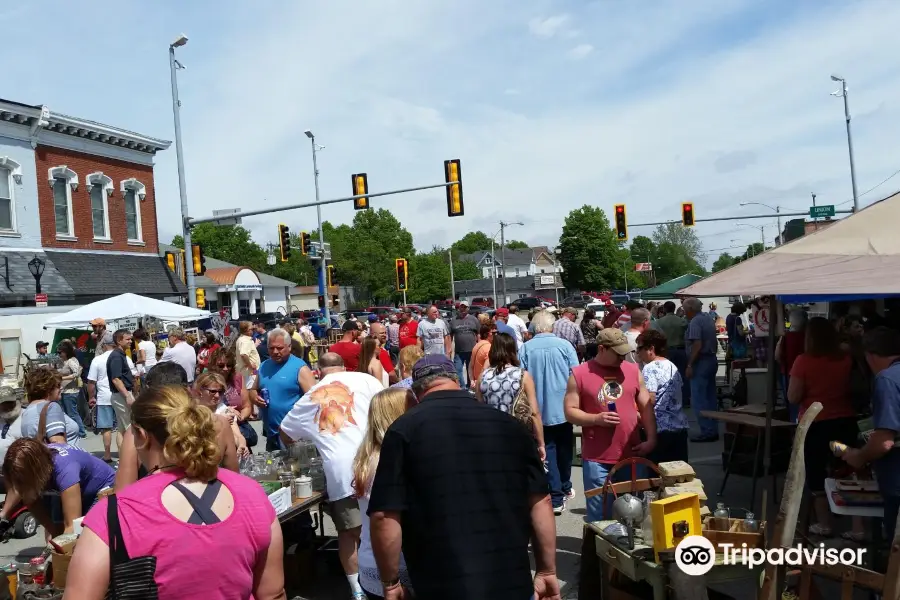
pixel 674 518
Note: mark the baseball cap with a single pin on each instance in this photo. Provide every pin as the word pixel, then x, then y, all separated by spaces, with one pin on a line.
pixel 41 344
pixel 373 318
pixel 435 364
pixel 615 340
pixel 107 339
pixel 461 304
pixel 570 310
pixel 98 321
pixel 502 312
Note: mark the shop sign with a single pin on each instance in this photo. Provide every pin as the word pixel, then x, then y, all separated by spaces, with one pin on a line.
pixel 129 323
pixel 641 267
pixel 40 299
pixel 247 287
pixel 548 279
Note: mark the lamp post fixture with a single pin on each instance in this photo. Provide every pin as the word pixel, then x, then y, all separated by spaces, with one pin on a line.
pixel 843 94
pixel 36 266
pixel 777 209
pixel 323 279
pixel 174 66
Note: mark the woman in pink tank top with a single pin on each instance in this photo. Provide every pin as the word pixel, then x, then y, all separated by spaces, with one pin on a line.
pixel 189 529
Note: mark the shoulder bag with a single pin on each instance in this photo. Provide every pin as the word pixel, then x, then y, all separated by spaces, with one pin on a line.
pixel 42 424
pixel 129 578
pixel 521 409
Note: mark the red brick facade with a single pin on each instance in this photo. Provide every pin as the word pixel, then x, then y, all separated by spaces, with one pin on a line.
pixel 83 165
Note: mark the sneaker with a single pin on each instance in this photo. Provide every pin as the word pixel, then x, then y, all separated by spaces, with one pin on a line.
pixel 817 529
pixel 558 510
pixel 570 494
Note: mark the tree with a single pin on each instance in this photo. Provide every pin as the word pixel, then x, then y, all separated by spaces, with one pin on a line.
pixel 751 251
pixel 474 241
pixel 230 243
pixel 724 261
pixel 517 245
pixel 642 249
pixel 683 237
pixel 429 275
pixel 674 261
pixel 589 250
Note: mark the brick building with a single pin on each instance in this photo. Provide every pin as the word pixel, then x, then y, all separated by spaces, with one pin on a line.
pixel 77 197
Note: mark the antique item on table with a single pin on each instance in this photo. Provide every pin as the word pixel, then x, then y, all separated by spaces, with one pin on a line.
pixel 856 485
pixel 721 517
pixel 317 474
pixel 676 471
pixel 674 518
pixel 647 522
pixel 751 525
pixel 303 487
pixel 629 511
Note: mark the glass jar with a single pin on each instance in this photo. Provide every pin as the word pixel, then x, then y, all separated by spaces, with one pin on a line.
pixel 647 522
pixel 317 474
pixel 750 524
pixel 721 516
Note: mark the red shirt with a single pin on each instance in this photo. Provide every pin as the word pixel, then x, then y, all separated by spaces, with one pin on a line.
pixel 792 345
pixel 349 351
pixel 597 385
pixel 385 360
pixel 826 379
pixel 408 332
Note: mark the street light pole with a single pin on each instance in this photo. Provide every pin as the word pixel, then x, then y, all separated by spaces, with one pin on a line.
pixel 322 278
pixel 843 83
pixel 452 283
pixel 777 210
pixel 625 273
pixel 174 65
pixel 494 271
pixel 503 226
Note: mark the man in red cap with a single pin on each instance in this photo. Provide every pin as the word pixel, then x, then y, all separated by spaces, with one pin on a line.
pixel 500 318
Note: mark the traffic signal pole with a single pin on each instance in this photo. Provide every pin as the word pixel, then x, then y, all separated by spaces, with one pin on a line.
pixel 740 218
pixel 323 281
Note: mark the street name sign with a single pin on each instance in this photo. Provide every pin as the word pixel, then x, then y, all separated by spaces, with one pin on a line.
pixel 820 212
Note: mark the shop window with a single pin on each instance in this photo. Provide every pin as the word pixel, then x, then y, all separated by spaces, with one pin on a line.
pixel 64 181
pixel 212 306
pixel 10 351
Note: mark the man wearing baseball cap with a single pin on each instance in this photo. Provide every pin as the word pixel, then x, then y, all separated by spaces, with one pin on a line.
pixel 489 474
pixel 501 315
pixel 98 328
pixel 41 348
pixel 607 397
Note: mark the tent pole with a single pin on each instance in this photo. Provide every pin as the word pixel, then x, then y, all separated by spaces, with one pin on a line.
pixel 771 393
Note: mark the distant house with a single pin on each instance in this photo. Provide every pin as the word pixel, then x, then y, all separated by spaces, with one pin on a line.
pixel 531 272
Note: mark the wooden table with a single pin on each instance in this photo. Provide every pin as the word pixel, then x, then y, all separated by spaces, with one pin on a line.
pixel 600 555
pixel 758 425
pixel 301 506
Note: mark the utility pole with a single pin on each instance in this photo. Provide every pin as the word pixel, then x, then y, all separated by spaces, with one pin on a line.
pixel 452 282
pixel 843 94
pixel 494 272
pixel 815 219
pixel 174 65
pixel 323 281
pixel 503 226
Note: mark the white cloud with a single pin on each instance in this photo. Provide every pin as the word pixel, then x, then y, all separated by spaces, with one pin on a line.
pixel 580 51
pixel 716 102
pixel 549 26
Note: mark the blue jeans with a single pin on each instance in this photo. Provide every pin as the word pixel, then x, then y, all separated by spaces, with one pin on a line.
pixel 461 361
pixel 558 441
pixel 703 392
pixel 594 475
pixel 70 406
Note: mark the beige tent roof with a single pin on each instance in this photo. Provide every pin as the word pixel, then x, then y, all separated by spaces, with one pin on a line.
pixel 857 256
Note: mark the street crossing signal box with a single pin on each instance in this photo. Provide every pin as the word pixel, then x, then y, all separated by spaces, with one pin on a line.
pixel 687 214
pixel 284 241
pixel 332 280
pixel 453 172
pixel 621 223
pixel 305 243
pixel 360 188
pixel 402 275
pixel 201 297
pixel 198 259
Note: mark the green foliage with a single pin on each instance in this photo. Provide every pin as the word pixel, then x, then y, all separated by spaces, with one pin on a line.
pixel 678 252
pixel 231 243
pixel 474 241
pixel 683 237
pixel 429 275
pixel 642 249
pixel 724 261
pixel 517 245
pixel 589 251
pixel 751 251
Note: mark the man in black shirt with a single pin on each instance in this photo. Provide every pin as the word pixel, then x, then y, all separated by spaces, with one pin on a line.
pixel 121 379
pixel 461 487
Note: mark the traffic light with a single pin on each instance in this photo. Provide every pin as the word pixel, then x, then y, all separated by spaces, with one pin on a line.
pixel 198 259
pixel 332 280
pixel 360 188
pixel 687 214
pixel 321 301
pixel 621 223
pixel 201 297
pixel 284 241
pixel 453 172
pixel 402 274
pixel 183 266
pixel 170 261
pixel 305 243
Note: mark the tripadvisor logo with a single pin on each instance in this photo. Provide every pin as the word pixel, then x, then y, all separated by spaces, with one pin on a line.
pixel 696 555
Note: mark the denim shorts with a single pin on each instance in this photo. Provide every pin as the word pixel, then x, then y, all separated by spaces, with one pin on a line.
pixel 106 417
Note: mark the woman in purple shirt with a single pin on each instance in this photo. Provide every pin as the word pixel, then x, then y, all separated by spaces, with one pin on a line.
pixel 33 468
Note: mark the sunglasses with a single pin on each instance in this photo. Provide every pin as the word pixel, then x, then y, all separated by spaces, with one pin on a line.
pixel 214 391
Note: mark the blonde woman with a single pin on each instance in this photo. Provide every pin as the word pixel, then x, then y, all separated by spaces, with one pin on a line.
pixel 210 389
pixel 407 360
pixel 385 408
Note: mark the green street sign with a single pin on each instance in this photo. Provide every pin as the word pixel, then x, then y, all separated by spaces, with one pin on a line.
pixel 818 212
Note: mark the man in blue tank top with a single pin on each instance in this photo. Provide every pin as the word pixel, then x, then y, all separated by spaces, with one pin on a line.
pixel 280 381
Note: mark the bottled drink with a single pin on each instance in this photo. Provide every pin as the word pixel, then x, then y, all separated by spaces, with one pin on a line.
pixel 317 474
pixel 647 522
pixel 750 525
pixel 721 516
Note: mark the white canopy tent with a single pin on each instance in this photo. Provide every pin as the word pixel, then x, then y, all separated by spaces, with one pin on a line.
pixel 126 306
pixel 857 257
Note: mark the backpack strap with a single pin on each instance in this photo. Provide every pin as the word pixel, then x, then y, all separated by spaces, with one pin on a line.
pixel 42 423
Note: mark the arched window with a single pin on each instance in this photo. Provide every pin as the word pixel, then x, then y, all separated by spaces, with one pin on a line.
pixel 64 181
pixel 10 176
pixel 133 193
pixel 100 187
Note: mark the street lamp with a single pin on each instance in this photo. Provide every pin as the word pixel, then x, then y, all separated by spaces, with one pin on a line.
pixel 322 278
pixel 777 209
pixel 174 65
pixel 36 266
pixel 843 93
pixel 625 272
pixel 762 232
pixel 554 256
pixel 503 227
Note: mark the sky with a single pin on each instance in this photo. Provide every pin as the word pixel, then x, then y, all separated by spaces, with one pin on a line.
pixel 549 104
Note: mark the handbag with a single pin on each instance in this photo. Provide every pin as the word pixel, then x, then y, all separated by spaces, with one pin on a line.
pixel 129 578
pixel 521 409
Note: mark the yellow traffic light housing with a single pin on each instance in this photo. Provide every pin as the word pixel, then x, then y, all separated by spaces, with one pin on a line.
pixel 198 259
pixel 170 262
pixel 453 173
pixel 621 223
pixel 360 188
pixel 402 275
pixel 201 297
pixel 687 214
pixel 284 241
pixel 305 243
pixel 331 278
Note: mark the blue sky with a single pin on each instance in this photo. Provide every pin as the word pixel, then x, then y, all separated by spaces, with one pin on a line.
pixel 549 104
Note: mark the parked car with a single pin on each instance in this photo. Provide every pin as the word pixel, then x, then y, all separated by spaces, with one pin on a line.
pixel 486 301
pixel 620 299
pixel 526 304
pixel 578 300
pixel 382 311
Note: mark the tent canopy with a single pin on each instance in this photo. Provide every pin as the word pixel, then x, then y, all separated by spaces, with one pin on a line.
pixel 669 289
pixel 123 307
pixel 856 257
